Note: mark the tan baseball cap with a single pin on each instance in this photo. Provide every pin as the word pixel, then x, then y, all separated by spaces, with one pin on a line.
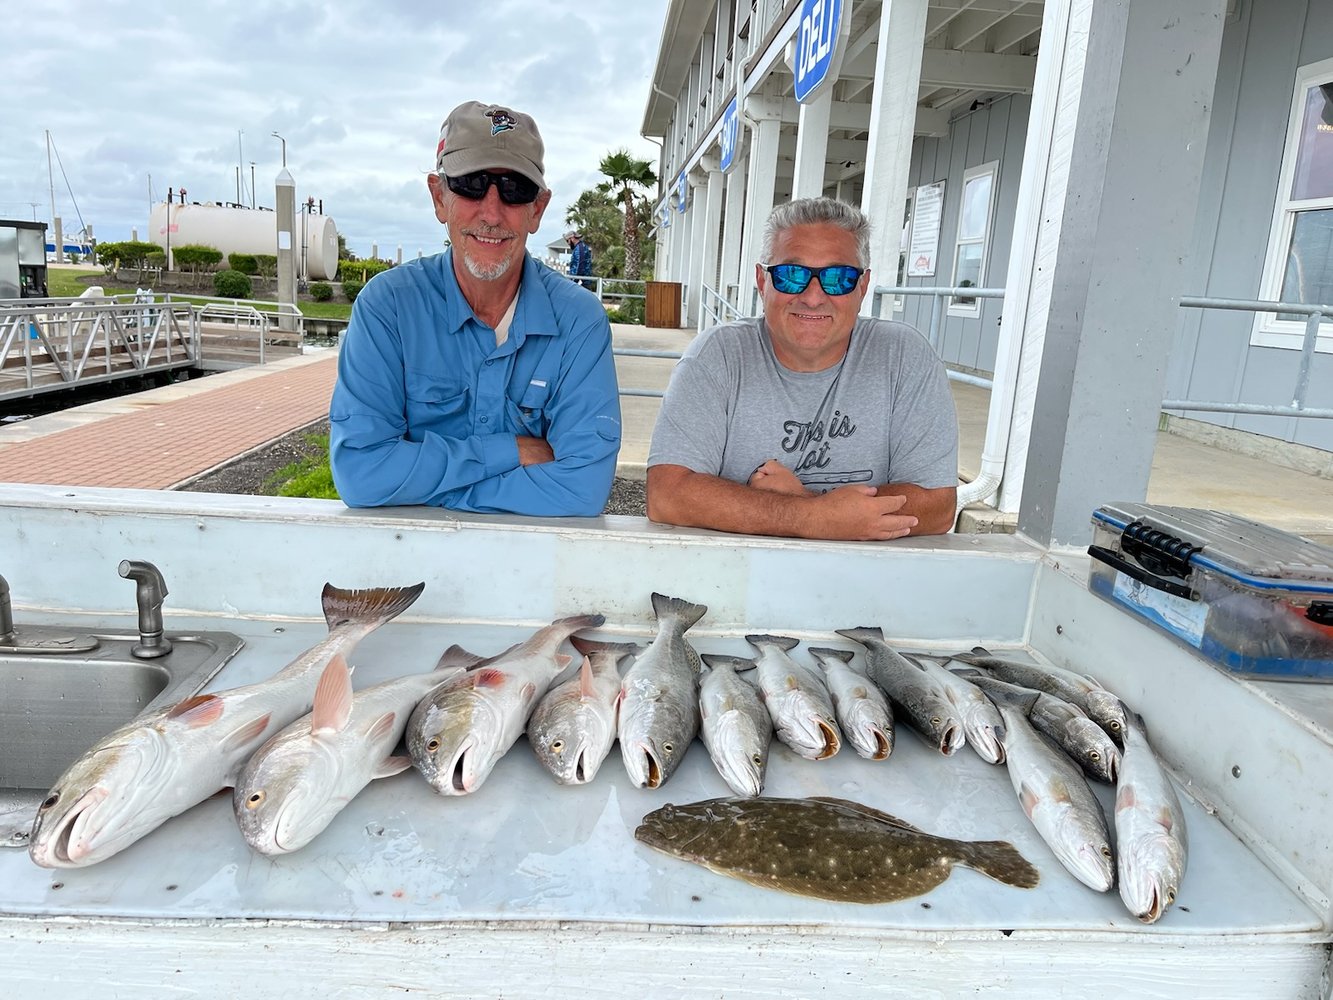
pixel 479 136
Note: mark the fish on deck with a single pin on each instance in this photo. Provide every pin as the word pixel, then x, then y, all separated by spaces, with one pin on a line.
pixel 823 847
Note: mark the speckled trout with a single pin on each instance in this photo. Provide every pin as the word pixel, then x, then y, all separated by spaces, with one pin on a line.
pixel 659 707
pixel 735 725
pixel 823 847
pixel 797 699
pixel 158 766
pixel 458 732
pixel 1152 845
pixel 864 713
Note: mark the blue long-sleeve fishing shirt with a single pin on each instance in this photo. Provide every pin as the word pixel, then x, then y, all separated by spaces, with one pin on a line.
pixel 580 259
pixel 427 408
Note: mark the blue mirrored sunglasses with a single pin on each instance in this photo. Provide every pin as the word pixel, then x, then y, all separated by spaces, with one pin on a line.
pixel 792 279
pixel 515 189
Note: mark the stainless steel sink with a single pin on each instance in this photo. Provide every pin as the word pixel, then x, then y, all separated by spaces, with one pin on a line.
pixel 55 705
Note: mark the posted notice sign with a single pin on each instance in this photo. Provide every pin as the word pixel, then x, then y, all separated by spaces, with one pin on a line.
pixel 923 250
pixel 816 44
pixel 731 126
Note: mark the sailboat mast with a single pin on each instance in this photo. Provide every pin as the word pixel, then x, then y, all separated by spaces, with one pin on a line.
pixel 50 177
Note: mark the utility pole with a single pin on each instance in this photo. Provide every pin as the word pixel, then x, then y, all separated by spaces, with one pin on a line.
pixel 252 183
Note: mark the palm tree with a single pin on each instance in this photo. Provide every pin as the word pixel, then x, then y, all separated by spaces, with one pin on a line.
pixel 626 173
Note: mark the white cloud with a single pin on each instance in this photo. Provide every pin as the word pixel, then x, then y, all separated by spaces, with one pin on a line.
pixel 358 89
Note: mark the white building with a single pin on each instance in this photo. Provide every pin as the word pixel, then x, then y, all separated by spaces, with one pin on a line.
pixel 1097 162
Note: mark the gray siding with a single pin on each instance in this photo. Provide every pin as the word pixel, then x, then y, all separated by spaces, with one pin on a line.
pixel 997 133
pixel 1212 358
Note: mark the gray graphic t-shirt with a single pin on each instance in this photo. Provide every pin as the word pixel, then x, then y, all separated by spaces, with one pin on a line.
pixel 883 415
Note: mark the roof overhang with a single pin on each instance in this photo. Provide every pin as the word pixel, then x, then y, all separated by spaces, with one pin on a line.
pixel 682 28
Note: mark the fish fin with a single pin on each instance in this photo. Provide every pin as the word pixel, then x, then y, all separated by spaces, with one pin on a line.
pixel 456 656
pixel 586 689
pixel 980 651
pixel 563 660
pixel 373 607
pixel 1028 799
pixel 333 697
pixel 390 766
pixel 823 654
pixel 489 678
pixel 381 727
pixel 1125 797
pixel 250 731
pixel 862 632
pixel 667 607
pixel 870 812
pixel 792 683
pixel 528 693
pixel 198 711
pixel 737 663
pixel 1000 860
pixel 783 642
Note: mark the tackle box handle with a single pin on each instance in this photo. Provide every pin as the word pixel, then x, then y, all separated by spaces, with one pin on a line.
pixel 1139 573
pixel 1157 551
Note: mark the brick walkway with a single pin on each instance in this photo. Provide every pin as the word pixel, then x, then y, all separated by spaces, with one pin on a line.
pixel 160 444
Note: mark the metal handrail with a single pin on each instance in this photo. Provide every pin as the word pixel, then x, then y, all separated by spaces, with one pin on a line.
pixel 718 315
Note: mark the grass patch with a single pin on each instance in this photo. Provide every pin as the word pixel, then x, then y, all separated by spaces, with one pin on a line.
pixel 65 282
pixel 309 476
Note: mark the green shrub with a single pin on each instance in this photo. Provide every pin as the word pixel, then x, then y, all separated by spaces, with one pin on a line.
pixel 361 270
pixel 243 262
pixel 157 258
pixel 266 264
pixel 231 285
pixel 196 256
pixel 352 289
pixel 129 253
pixel 629 311
pixel 321 291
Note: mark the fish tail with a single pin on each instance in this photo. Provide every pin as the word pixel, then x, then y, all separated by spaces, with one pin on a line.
pixel 371 608
pixel 863 633
pixel 587 646
pixel 677 607
pixel 575 622
pixel 1000 860
pixel 783 642
pixel 822 654
pixel 736 663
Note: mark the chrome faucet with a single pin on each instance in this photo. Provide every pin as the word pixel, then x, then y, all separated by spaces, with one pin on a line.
pixel 150 591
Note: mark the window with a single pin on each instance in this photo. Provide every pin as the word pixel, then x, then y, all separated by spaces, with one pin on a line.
pixel 1299 264
pixel 970 249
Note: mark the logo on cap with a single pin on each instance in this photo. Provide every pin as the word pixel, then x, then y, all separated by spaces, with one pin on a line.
pixel 501 120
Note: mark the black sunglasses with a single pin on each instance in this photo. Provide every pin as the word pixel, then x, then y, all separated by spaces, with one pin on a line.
pixel 515 189
pixel 792 279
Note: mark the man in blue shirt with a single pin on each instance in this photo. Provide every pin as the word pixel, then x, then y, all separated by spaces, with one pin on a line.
pixel 478 379
pixel 580 259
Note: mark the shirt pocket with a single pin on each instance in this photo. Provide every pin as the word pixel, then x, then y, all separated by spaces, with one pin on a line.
pixel 529 413
pixel 436 404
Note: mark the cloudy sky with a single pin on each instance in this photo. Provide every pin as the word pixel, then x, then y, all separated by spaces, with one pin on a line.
pixel 358 88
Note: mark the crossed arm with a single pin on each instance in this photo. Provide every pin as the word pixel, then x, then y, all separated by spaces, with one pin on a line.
pixel 775 502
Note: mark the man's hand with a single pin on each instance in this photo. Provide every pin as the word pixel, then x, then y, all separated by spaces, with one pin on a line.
pixel 777 478
pixel 534 451
pixel 856 513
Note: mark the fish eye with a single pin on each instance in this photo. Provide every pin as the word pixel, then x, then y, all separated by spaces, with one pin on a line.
pixel 1094 755
pixel 1170 896
pixel 557 745
pixel 433 745
pixel 1115 725
pixel 255 800
pixel 757 760
pixel 1106 851
pixel 51 800
pixel 935 720
pixel 668 747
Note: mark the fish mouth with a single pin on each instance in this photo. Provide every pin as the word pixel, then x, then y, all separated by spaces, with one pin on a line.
pixel 652 770
pixel 832 741
pixel 70 846
pixel 1113 767
pixel 882 745
pixel 454 779
pixel 585 767
pixel 951 739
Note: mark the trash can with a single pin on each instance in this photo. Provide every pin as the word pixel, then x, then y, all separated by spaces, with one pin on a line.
pixel 662 304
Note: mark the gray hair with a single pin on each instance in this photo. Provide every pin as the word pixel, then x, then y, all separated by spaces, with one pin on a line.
pixel 816 211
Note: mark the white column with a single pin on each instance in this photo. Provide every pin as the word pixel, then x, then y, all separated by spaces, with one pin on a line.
pixel 902 36
pixel 698 241
pixel 682 222
pixel 812 144
pixel 759 199
pixel 733 222
pixel 285 203
pixel 712 232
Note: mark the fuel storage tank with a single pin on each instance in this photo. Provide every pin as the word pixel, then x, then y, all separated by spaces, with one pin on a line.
pixel 249 230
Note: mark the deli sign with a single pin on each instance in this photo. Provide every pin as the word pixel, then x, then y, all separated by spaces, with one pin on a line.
pixel 816 44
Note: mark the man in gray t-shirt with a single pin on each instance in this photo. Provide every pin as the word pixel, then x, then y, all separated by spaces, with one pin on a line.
pixel 813 421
